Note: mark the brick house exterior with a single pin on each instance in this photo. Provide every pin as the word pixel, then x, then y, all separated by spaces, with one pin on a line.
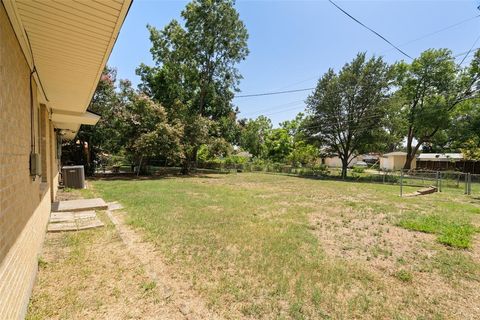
pixel 45 88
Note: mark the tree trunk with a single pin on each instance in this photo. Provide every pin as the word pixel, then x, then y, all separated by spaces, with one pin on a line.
pixel 408 161
pixel 410 152
pixel 190 162
pixel 344 168
pixel 186 166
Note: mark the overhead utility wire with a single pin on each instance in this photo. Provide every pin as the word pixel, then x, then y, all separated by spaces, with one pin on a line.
pixel 370 29
pixel 439 30
pixel 410 41
pixel 468 52
pixel 272 93
pixel 383 38
pixel 277 107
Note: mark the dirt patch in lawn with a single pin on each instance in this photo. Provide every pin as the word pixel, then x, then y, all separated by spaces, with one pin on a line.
pixel 369 237
pixel 405 260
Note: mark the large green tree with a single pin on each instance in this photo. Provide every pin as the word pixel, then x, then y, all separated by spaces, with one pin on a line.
pixel 195 74
pixel 429 90
pixel 146 131
pixel 346 108
pixel 253 135
pixel 302 151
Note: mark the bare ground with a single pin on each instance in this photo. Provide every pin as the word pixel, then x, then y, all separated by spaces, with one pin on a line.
pixel 385 249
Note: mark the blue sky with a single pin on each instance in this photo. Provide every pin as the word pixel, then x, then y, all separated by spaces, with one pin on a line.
pixel 292 43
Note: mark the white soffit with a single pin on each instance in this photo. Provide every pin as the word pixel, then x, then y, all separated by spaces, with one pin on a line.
pixel 87 118
pixel 68 130
pixel 70 42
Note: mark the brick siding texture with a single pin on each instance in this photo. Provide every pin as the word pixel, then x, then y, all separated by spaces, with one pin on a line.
pixel 24 202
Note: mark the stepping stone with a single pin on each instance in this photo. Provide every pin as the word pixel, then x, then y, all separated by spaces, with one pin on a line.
pixel 56 217
pixel 80 215
pixel 73 221
pixel 81 224
pixel 62 226
pixel 89 224
pixel 114 206
pixel 79 205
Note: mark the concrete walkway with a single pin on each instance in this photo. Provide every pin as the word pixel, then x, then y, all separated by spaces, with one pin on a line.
pixel 79 205
pixel 74 215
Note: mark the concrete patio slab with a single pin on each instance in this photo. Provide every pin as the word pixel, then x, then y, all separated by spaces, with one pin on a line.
pixel 62 226
pixel 79 205
pixel 79 224
pixel 89 224
pixel 56 217
pixel 73 221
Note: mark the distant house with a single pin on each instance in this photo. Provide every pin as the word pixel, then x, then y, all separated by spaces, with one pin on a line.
pixel 336 162
pixel 370 158
pixel 358 160
pixel 442 161
pixel 395 161
pixel 440 157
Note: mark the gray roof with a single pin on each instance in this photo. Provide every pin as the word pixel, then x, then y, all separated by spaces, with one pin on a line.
pixel 440 156
pixel 395 153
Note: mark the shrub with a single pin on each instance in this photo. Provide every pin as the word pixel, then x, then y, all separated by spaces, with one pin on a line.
pixel 358 169
pixel 320 170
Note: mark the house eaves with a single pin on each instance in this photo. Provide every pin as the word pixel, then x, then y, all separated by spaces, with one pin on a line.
pixel 68 44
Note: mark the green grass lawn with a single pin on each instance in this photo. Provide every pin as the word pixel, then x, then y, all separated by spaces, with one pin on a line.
pixel 280 247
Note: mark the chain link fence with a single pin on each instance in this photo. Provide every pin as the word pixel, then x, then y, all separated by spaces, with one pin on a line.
pixel 407 180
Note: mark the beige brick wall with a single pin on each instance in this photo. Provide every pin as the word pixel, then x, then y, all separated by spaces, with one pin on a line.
pixel 19 268
pixel 24 202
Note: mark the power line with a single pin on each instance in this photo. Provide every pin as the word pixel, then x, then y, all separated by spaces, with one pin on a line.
pixel 439 30
pixel 276 107
pixel 272 93
pixel 286 110
pixel 370 29
pixel 468 52
pixel 298 82
pixel 410 41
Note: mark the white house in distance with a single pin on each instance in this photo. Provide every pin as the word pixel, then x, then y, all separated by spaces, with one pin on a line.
pixel 395 161
pixel 336 162
pixel 441 161
pixel 440 157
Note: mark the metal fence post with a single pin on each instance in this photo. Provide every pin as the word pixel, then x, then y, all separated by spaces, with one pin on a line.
pixel 401 183
pixel 469 183
pixel 466 183
pixel 436 180
pixel 439 182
